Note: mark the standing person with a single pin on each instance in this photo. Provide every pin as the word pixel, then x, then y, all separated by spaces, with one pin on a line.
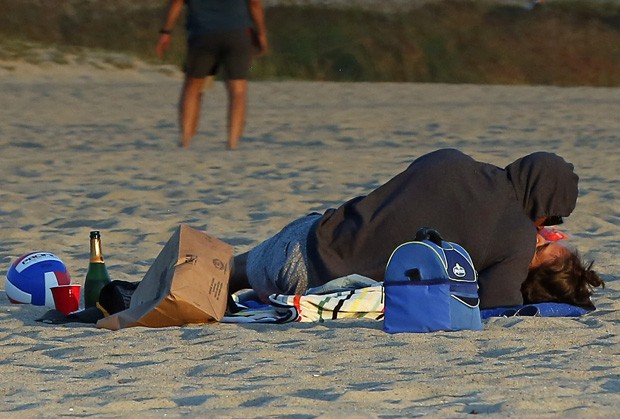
pixel 219 32
pixel 493 212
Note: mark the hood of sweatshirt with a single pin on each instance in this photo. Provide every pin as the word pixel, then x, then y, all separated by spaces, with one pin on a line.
pixel 545 184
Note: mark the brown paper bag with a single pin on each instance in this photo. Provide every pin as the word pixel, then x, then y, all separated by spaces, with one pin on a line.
pixel 187 283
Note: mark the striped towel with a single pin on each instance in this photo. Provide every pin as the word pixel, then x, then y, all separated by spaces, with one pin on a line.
pixel 362 303
pixel 351 298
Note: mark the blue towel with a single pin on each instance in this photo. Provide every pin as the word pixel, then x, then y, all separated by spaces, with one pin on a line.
pixel 545 310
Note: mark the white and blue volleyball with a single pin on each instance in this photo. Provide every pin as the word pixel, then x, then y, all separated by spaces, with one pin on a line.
pixel 31 276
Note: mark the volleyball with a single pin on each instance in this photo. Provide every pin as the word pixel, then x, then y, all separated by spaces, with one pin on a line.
pixel 31 276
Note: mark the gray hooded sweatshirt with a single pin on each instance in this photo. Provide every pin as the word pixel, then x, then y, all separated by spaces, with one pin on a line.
pixel 486 209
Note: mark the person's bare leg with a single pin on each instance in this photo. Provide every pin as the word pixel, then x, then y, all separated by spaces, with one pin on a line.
pixel 237 99
pixel 206 85
pixel 189 109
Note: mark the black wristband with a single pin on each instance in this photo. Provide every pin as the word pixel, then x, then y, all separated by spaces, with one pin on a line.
pixel 165 31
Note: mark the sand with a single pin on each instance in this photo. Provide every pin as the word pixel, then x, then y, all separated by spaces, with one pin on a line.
pixel 85 149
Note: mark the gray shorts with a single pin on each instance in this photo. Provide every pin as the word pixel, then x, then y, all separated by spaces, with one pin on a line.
pixel 279 265
pixel 230 49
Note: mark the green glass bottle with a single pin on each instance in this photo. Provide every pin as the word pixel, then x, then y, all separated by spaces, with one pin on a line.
pixel 97 276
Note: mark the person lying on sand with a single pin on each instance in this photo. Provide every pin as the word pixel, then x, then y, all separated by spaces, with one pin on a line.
pixel 494 213
pixel 557 274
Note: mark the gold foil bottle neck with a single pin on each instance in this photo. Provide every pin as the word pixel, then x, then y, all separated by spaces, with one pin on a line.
pixel 96 255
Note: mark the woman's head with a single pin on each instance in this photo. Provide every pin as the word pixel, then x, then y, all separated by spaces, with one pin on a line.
pixel 558 274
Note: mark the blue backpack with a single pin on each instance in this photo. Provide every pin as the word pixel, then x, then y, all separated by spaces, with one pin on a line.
pixel 430 284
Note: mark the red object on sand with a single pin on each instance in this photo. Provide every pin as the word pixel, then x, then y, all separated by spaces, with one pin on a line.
pixel 552 235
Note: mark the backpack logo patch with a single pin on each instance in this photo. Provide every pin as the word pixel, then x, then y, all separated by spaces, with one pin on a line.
pixel 458 270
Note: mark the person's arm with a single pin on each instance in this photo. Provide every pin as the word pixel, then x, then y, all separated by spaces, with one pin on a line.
pixel 258 17
pixel 500 284
pixel 174 10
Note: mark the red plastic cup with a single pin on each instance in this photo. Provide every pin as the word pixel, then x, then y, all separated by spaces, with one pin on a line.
pixel 66 298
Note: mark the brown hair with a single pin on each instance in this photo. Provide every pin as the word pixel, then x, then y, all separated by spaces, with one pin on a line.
pixel 562 280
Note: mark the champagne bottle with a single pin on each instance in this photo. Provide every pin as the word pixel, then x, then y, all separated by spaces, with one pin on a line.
pixel 97 275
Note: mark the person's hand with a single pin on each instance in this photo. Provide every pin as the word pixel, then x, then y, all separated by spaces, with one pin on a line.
pixel 259 40
pixel 162 44
pixel 263 45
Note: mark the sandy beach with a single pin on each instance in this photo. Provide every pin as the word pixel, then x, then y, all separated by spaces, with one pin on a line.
pixel 90 149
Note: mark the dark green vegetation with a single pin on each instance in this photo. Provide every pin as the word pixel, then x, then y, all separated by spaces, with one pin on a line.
pixel 561 43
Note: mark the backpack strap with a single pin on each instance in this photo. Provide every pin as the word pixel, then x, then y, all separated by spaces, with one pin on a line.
pixel 430 234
